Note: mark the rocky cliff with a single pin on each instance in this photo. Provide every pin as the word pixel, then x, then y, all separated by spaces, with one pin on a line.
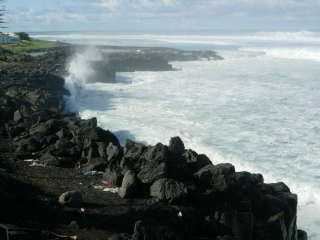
pixel 61 174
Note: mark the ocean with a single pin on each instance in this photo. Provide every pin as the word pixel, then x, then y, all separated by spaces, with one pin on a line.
pixel 258 109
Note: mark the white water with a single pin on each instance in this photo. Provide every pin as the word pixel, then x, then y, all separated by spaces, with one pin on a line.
pixel 259 108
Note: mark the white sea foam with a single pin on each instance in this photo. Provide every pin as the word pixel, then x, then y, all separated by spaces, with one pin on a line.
pixel 259 111
pixel 306 53
pixel 79 71
pixel 209 39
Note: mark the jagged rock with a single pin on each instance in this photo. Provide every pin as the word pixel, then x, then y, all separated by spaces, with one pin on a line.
pixel 302 235
pixel 176 147
pixel 154 163
pixel 219 177
pixel 71 199
pixel 129 187
pixel 168 190
pixel 132 154
pixel 194 161
pixel 97 134
pixel 152 172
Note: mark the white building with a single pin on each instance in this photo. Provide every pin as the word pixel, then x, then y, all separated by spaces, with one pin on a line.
pixel 8 38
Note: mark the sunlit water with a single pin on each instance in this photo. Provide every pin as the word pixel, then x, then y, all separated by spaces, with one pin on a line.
pixel 259 108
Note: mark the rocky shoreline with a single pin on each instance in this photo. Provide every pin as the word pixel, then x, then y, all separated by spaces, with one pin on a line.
pixel 66 178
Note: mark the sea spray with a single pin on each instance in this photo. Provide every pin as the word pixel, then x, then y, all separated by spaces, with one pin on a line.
pixel 79 73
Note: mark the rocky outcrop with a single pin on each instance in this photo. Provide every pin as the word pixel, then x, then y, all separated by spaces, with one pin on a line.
pixel 135 191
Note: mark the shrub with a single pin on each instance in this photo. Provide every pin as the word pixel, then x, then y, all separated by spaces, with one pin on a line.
pixel 23 36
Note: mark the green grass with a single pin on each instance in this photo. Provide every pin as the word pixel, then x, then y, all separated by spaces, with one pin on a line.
pixel 29 46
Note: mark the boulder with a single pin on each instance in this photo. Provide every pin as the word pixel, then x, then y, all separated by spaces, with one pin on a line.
pixel 71 199
pixel 168 190
pixel 195 161
pixel 130 186
pixel 132 154
pixel 114 154
pixel 152 172
pixel 302 235
pixel 176 147
pixel 155 154
pixel 219 178
pixel 153 163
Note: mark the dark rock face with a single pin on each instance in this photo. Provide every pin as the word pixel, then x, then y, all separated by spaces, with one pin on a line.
pixel 168 190
pixel 129 187
pixel 176 147
pixel 219 177
pixel 302 235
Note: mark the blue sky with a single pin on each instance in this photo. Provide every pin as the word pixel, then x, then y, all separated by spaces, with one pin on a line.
pixel 162 15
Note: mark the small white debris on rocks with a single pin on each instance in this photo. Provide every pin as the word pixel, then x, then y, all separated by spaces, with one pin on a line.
pixel 112 190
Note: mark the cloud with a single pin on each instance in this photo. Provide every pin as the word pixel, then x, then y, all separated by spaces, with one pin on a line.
pixel 115 5
pixel 165 14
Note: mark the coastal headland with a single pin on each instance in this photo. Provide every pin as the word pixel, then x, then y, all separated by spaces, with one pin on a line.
pixel 66 178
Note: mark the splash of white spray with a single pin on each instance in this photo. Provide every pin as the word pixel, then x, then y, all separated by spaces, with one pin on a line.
pixel 79 73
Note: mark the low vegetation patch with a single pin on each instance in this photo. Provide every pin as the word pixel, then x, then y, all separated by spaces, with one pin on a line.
pixel 29 46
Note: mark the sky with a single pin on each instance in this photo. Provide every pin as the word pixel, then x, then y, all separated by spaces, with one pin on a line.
pixel 162 15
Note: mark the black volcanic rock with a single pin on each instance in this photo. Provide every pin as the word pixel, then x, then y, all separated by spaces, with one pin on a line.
pixel 176 147
pixel 168 190
pixel 130 185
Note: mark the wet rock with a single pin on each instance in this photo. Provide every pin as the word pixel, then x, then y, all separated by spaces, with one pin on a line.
pixel 129 187
pixel 71 199
pixel 168 190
